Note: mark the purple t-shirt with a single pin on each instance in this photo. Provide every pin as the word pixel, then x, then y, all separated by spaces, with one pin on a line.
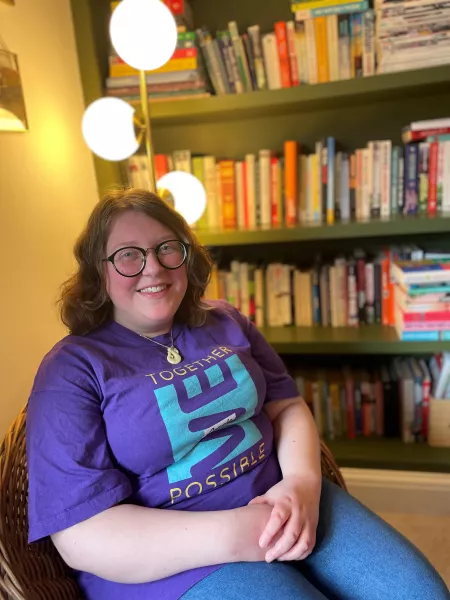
pixel 110 420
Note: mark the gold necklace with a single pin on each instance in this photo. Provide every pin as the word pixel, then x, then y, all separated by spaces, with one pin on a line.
pixel 173 354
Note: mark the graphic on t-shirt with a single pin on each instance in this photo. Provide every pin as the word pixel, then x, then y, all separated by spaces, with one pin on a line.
pixel 217 432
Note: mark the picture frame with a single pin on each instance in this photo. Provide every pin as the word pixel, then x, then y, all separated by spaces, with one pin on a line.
pixel 13 115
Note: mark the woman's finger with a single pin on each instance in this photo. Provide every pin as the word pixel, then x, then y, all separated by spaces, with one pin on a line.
pixel 289 538
pixel 303 547
pixel 280 514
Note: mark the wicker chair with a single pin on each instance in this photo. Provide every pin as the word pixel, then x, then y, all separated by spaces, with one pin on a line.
pixel 37 572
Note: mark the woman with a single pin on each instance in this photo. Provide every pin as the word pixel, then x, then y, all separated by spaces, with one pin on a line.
pixel 169 455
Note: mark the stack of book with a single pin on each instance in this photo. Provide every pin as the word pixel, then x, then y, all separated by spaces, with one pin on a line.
pixel 389 401
pixel 427 166
pixel 350 291
pixel 180 78
pixel 422 298
pixel 269 189
pixel 412 34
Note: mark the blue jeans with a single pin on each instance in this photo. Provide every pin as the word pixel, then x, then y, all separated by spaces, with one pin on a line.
pixel 357 557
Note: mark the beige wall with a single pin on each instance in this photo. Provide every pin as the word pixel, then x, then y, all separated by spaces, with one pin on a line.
pixel 47 189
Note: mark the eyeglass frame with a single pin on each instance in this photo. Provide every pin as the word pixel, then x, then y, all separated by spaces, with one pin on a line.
pixel 145 252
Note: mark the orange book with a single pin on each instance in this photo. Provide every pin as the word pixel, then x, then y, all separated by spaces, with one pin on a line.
pixel 291 151
pixel 323 69
pixel 228 189
pixel 388 306
pixel 283 54
pixel 161 165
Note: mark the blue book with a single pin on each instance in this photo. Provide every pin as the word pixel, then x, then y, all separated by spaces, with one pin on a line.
pixel 394 179
pixel 424 336
pixel 331 149
pixel 411 186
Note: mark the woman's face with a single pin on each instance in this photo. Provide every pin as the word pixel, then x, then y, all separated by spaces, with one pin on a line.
pixel 148 302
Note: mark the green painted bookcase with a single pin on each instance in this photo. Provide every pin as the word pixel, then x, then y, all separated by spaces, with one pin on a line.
pixel 354 112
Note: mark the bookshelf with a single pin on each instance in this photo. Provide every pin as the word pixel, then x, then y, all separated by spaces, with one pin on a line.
pixel 367 339
pixel 394 227
pixel 390 454
pixel 353 112
pixel 324 96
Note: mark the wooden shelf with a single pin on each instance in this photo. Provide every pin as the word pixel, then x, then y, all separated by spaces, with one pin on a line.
pixel 304 97
pixel 367 339
pixel 389 454
pixel 399 226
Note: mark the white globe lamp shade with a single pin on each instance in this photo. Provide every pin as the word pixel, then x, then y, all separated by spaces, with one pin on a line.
pixel 108 129
pixel 143 33
pixel 188 194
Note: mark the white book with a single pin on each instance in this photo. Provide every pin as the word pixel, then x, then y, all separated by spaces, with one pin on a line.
pixel 134 172
pixel 209 166
pixel 250 160
pixel 292 51
pixel 333 46
pixel 386 160
pixel 271 61
pixel 297 299
pixel 259 298
pixel 264 186
pixel 301 51
pixel 368 43
pixel 334 297
pixel 367 187
pixel 311 51
pixel 240 195
pixel 144 173
pixel 182 161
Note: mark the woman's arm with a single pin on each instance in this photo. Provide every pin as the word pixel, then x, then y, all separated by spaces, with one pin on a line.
pixel 133 544
pixel 295 499
pixel 296 437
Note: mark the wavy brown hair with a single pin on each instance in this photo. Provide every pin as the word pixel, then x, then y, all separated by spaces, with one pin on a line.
pixel 84 303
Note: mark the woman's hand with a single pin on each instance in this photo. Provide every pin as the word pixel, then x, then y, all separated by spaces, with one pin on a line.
pixel 294 517
pixel 245 531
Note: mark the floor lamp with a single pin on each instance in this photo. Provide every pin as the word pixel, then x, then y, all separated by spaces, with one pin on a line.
pixel 144 35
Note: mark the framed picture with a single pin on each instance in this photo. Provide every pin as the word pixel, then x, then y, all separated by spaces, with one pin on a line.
pixel 12 104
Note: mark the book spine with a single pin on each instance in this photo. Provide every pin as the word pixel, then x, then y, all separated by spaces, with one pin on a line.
pixel 333 46
pixel 240 56
pixel 370 293
pixel 344 189
pixel 264 183
pixel 311 51
pixel 401 184
pixel 283 54
pixel 352 313
pixel 423 177
pixel 411 179
pixel 291 152
pixel 293 63
pixel 374 149
pixel 275 191
pixel 386 176
pixel 361 286
pixel 440 178
pixel 250 61
pixel 330 189
pixel 323 71
pixel 394 179
pixel 250 164
pixel 368 67
pixel 301 51
pixel 255 38
pixel 378 292
pixel 224 51
pixel 344 44
pixel 353 181
pixel 432 178
pixel 357 44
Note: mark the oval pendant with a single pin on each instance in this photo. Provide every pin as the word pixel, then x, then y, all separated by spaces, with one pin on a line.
pixel 173 356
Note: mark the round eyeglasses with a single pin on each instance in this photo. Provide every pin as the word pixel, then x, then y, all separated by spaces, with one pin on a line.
pixel 131 261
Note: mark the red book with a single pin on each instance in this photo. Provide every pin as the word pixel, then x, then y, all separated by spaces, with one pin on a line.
pixel 275 188
pixel 176 7
pixel 432 178
pixel 283 53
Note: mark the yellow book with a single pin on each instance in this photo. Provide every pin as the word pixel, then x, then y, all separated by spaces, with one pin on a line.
pixel 314 4
pixel 323 70
pixel 175 64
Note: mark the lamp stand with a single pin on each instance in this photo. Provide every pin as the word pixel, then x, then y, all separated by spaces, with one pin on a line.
pixel 147 131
